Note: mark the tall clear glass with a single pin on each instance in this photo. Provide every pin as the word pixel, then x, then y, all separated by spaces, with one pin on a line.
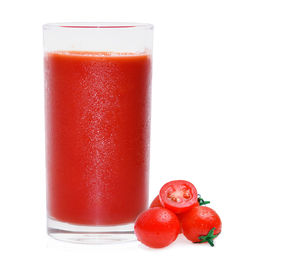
pixel 97 109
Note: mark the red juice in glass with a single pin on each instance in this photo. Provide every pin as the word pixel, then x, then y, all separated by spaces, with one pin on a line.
pixel 97 137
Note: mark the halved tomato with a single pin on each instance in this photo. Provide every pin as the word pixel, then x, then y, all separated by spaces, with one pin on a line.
pixel 178 196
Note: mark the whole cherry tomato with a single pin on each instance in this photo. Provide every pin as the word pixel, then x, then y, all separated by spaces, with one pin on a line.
pixel 201 224
pixel 157 227
pixel 156 202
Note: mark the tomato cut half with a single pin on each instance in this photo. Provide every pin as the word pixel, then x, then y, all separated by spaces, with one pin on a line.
pixel 178 196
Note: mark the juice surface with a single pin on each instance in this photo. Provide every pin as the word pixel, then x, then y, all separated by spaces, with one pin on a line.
pixel 97 136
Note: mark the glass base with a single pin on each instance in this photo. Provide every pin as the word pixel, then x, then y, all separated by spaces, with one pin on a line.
pixel 90 234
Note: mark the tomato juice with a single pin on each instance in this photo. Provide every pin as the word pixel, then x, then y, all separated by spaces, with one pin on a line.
pixel 97 136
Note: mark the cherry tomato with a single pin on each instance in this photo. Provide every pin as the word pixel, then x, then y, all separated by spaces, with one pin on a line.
pixel 178 196
pixel 201 224
pixel 157 227
pixel 156 202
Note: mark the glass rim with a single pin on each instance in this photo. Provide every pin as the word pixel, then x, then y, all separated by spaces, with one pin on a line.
pixel 98 25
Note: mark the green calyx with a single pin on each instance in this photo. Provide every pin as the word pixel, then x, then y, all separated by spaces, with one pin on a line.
pixel 208 238
pixel 201 201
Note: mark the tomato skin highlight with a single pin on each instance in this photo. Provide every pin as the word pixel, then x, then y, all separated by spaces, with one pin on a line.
pixel 178 196
pixel 156 202
pixel 157 227
pixel 198 221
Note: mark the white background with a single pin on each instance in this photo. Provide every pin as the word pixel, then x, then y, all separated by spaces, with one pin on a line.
pixel 225 116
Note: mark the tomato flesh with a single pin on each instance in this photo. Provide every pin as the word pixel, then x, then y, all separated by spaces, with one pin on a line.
pixel 178 196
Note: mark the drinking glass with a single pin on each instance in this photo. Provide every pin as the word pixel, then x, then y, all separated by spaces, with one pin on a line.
pixel 97 121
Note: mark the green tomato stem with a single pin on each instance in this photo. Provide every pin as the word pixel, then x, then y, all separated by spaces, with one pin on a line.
pixel 208 238
pixel 201 201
